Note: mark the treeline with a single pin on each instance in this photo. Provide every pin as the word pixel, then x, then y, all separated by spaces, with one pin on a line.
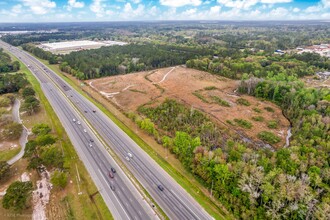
pixel 260 65
pixel 6 64
pixel 46 55
pixel 18 40
pixel 114 60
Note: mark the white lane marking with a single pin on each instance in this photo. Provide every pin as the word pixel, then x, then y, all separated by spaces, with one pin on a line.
pixel 184 203
pixel 114 194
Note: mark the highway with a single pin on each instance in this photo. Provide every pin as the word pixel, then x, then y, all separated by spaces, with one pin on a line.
pixel 124 202
pixel 169 195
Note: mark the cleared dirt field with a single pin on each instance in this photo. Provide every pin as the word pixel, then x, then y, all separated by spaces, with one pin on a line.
pixel 211 94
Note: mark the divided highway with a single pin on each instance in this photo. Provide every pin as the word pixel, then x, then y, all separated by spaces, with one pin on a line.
pixel 169 195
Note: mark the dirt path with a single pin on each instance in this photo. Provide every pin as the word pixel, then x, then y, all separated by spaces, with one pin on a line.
pixel 164 77
pixel 24 136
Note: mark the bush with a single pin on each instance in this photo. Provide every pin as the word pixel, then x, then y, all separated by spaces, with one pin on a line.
pixel 210 88
pixel 41 129
pixel 272 124
pixel 242 101
pixel 12 131
pixel 59 179
pixel 258 118
pixel 4 102
pixel 28 91
pixel 243 123
pixel 258 110
pixel 269 137
pixel 220 101
pixel 269 109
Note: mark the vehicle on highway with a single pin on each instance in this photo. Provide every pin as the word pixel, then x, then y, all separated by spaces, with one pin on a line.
pixel 74 120
pixel 91 140
pixel 111 175
pixel 129 154
pixel 127 158
pixel 85 130
pixel 85 111
pixel 94 111
pixel 113 170
pixel 78 123
pixel 160 187
pixel 112 187
pixel 90 144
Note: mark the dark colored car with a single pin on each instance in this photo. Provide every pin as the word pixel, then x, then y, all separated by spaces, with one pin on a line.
pixel 160 187
pixel 113 170
pixel 92 140
pixel 112 187
pixel 94 111
pixel 111 175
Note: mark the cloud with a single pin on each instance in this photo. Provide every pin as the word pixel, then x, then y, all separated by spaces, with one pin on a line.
pixel 326 3
pixel 97 7
pixel 129 12
pixel 295 10
pixel 136 1
pixel 39 7
pixel 246 4
pixel 16 9
pixel 74 4
pixel 180 3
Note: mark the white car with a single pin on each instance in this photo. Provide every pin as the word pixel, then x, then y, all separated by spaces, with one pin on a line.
pixel 85 130
pixel 127 158
pixel 130 155
pixel 90 144
pixel 78 123
pixel 74 120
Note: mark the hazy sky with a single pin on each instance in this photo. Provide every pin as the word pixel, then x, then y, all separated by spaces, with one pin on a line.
pixel 119 10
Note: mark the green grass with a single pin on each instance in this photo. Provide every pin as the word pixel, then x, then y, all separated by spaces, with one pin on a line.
pixel 258 110
pixel 272 124
pixel 8 154
pixel 269 137
pixel 242 101
pixel 210 88
pixel 191 188
pixel 269 109
pixel 138 91
pixel 243 123
pixel 258 118
pixel 81 205
pixel 200 96
pixel 220 101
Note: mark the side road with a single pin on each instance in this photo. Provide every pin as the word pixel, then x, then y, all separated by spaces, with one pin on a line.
pixel 24 136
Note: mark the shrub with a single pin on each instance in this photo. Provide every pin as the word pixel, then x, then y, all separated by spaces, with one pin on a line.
pixel 200 96
pixel 269 137
pixel 210 88
pixel 258 118
pixel 220 101
pixel 272 124
pixel 242 101
pixel 269 109
pixel 243 123
pixel 258 110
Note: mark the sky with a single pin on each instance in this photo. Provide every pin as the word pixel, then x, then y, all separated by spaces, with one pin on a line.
pixel 141 10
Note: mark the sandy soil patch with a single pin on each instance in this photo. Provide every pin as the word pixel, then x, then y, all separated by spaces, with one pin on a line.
pixel 152 87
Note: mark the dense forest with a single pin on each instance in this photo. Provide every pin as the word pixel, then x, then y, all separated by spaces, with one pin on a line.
pixel 6 65
pixel 232 64
pixel 115 60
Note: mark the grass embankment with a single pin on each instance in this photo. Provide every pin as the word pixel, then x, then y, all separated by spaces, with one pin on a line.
pixel 77 206
pixel 182 176
pixel 8 154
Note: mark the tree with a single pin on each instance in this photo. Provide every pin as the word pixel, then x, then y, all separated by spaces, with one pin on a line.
pixel 4 169
pixel 31 105
pixel 52 156
pixel 46 139
pixel 41 129
pixel 28 91
pixel 17 195
pixel 59 179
